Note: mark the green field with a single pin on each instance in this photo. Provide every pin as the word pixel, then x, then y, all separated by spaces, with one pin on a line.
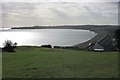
pixel 34 62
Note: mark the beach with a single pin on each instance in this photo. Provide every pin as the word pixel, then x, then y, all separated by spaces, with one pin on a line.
pixel 105 34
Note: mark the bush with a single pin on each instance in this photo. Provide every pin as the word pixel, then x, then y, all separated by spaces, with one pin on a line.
pixel 47 46
pixel 9 46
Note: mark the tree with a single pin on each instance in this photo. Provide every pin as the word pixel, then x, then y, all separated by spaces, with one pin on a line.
pixel 9 46
pixel 15 44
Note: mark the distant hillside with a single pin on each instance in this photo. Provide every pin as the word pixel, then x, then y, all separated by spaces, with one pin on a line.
pixel 96 27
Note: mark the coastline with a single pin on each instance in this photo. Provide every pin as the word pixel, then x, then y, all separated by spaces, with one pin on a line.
pixel 104 35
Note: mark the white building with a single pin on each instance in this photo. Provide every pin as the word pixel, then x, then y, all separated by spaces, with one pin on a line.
pixel 98 47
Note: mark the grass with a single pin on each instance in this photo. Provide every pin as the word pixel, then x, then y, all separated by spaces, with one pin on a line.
pixel 34 62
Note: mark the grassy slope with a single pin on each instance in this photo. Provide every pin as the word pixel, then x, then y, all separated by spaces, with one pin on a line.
pixel 42 62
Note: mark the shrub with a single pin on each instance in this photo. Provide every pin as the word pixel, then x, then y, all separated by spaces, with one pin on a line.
pixel 47 46
pixel 9 46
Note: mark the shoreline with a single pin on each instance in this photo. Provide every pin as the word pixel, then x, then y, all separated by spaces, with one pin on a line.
pixel 104 37
pixel 104 33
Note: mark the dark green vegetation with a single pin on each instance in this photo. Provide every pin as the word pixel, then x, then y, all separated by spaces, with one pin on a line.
pixel 35 62
pixel 9 46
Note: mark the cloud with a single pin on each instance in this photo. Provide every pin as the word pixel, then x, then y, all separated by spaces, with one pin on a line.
pixel 17 5
pixel 60 0
pixel 55 13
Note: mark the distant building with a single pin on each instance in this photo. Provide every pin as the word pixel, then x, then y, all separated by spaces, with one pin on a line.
pixel 95 47
pixel 98 47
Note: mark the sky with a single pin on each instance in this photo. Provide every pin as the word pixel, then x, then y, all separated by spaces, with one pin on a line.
pixel 25 13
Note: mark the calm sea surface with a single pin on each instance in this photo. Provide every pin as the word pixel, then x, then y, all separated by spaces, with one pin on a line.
pixel 38 37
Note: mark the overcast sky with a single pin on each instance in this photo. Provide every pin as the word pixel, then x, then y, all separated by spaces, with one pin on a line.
pixel 26 13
